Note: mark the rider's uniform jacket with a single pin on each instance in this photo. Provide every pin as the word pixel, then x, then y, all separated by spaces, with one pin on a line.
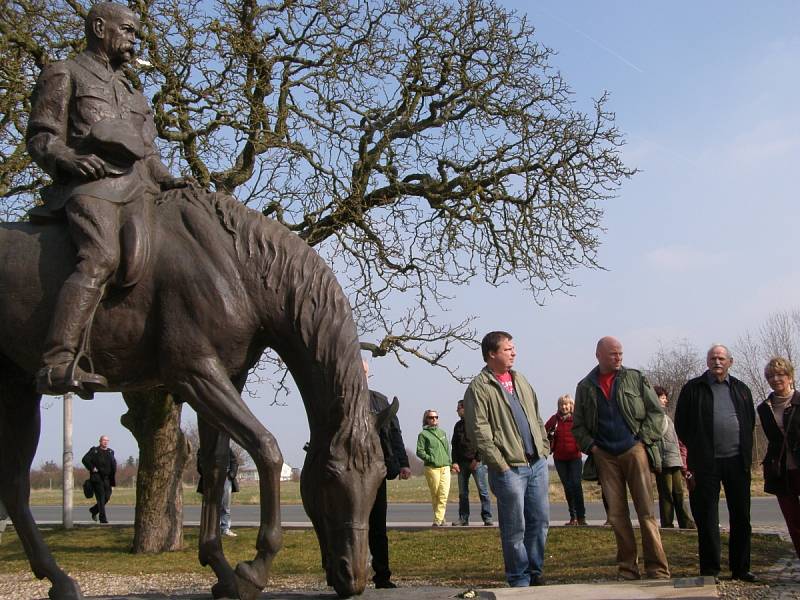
pixel 83 105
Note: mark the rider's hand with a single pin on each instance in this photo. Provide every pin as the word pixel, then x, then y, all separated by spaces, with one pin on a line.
pixel 83 166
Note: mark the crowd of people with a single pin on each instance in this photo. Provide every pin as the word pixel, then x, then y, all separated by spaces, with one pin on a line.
pixel 619 421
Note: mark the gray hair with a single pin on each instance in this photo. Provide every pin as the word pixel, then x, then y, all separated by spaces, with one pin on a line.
pixel 717 345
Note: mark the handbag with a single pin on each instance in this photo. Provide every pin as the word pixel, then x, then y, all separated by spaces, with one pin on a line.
pixel 88 490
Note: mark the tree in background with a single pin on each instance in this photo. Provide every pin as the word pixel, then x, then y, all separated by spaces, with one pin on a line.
pixel 779 335
pixel 416 144
pixel 672 366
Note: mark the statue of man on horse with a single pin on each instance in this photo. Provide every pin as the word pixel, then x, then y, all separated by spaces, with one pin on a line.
pixel 94 134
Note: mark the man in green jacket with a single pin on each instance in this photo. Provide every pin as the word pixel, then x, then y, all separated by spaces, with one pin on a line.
pixel 502 416
pixel 617 421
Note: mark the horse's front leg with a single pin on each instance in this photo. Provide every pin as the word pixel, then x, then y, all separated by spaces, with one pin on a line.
pixel 208 389
pixel 19 436
pixel 212 460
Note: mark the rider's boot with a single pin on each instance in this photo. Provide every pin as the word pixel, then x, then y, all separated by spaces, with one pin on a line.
pixel 74 311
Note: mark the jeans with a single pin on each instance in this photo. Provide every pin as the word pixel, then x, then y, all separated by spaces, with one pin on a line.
pixel 225 507
pixel 439 486
pixel 569 472
pixel 618 474
pixel 523 514
pixel 480 474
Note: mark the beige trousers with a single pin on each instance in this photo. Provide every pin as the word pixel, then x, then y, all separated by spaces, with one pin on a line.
pixel 630 470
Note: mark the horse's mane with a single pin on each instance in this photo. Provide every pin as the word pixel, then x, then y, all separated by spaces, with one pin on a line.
pixel 319 311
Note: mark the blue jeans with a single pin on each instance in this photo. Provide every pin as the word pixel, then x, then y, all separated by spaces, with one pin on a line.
pixel 523 514
pixel 225 507
pixel 482 482
pixel 569 472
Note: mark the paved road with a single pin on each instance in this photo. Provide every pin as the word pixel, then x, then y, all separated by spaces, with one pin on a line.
pixel 764 514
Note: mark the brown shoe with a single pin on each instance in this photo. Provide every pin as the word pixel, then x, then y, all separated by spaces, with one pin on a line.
pixel 582 523
pixel 571 523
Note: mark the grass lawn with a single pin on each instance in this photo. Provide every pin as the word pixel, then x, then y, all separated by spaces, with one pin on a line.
pixel 411 490
pixel 448 556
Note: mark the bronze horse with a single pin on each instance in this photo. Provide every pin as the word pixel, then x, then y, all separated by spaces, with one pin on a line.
pixel 220 283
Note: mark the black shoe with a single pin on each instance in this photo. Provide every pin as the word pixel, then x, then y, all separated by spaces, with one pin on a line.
pixel 94 515
pixel 385 585
pixel 715 576
pixel 746 576
pixel 537 580
pixel 104 521
pixel 460 523
pixel 488 523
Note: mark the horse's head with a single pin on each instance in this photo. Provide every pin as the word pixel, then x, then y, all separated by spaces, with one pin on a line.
pixel 338 500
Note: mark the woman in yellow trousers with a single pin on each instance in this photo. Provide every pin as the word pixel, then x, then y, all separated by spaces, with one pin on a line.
pixel 434 450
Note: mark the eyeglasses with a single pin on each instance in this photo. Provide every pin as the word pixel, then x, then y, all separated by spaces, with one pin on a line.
pixel 433 416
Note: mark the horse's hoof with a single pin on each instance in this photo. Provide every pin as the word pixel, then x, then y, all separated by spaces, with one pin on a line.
pixel 67 590
pixel 246 582
pixel 224 591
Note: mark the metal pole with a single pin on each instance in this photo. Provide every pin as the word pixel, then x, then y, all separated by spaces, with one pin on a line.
pixel 67 462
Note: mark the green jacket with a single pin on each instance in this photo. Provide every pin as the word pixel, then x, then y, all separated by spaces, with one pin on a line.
pixel 433 448
pixel 491 424
pixel 638 404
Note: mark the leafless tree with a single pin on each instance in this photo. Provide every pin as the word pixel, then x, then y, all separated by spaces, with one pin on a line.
pixel 673 365
pixel 416 144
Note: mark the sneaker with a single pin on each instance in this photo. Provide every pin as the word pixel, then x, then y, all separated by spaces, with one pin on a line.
pixel 488 523
pixel 229 533
pixel 386 585
pixel 460 523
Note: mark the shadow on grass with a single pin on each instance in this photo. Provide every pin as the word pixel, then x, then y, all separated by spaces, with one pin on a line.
pixel 442 557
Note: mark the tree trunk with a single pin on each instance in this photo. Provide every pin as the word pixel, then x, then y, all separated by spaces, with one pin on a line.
pixel 154 419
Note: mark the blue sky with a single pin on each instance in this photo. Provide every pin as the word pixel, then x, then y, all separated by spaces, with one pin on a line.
pixel 706 93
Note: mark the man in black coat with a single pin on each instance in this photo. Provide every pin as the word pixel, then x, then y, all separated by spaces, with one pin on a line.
pixel 102 467
pixel 715 418
pixel 394 455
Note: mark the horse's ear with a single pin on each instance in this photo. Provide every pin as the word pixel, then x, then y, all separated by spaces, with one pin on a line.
pixel 382 418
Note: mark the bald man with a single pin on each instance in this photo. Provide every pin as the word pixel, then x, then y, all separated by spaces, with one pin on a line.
pixel 617 421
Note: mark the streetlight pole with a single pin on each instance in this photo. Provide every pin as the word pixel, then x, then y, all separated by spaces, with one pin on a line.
pixel 66 463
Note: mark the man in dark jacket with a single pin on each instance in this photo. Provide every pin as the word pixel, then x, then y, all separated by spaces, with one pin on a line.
pixel 715 418
pixel 102 467
pixel 394 455
pixel 617 421
pixel 466 465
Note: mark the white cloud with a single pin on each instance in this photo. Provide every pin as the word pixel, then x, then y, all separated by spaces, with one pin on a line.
pixel 683 258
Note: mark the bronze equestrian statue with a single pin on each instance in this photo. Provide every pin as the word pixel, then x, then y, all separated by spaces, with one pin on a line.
pixel 193 290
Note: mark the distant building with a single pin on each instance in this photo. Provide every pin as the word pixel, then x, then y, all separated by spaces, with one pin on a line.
pixel 251 473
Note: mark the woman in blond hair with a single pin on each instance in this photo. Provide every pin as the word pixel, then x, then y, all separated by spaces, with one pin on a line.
pixel 780 419
pixel 434 450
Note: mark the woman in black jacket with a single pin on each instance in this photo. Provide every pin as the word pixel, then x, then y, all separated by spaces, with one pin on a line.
pixel 780 419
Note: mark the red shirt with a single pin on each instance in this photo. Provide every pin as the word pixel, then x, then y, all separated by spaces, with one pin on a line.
pixel 606 382
pixel 506 381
